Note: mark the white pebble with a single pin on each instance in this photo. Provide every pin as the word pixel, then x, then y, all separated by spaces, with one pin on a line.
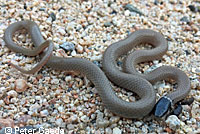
pixel 2 103
pixel 68 78
pixel 138 123
pixel 127 13
pixel 85 118
pixel 12 93
pixel 59 122
pixel 173 122
pixel 44 113
pixel 116 130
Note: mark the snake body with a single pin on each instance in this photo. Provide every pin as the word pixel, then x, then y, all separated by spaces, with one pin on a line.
pixel 130 79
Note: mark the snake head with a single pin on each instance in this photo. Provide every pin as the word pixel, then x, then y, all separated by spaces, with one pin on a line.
pixel 162 106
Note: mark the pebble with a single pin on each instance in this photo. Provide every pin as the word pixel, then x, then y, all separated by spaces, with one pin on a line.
pixel 20 85
pixel 6 123
pixel 101 123
pixel 132 8
pixel 91 26
pixel 138 124
pixel 185 19
pixel 193 8
pixel 84 118
pixel 178 110
pixel 23 119
pixel 53 16
pixel 107 24
pixel 127 13
pixel 70 126
pixel 79 49
pixel 12 93
pixel 67 46
pixel 44 113
pixel 60 122
pixel 108 130
pixel 173 122
pixel 116 130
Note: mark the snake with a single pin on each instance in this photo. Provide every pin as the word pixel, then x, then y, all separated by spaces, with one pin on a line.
pixel 128 78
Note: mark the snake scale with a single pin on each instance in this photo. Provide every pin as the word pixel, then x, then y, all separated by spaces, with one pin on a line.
pixel 129 78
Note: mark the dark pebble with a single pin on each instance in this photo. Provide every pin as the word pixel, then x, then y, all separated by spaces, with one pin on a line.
pixel 67 46
pixel 192 8
pixel 107 24
pixel 188 101
pixel 156 2
pixel 69 89
pixel 185 19
pixel 25 6
pixel 53 16
pixel 133 9
pixel 61 9
pixel 42 9
pixel 93 121
pixel 177 111
pixel 187 52
pixel 113 12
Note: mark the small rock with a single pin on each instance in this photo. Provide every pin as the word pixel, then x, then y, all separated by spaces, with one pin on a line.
pixel 12 93
pixel 193 8
pixel 185 19
pixel 55 81
pixel 23 119
pixel 2 103
pixel 44 113
pixel 84 118
pixel 60 122
pixel 6 123
pixel 102 123
pixel 107 24
pixel 53 16
pixel 70 126
pixel 114 119
pixel 108 130
pixel 127 13
pixel 20 85
pixel 67 46
pixel 42 9
pixel 132 8
pixel 188 101
pixel 79 49
pixel 60 109
pixel 138 123
pixel 61 31
pixel 156 2
pixel 73 53
pixel 173 122
pixel 116 130
pixel 68 78
pixel 177 111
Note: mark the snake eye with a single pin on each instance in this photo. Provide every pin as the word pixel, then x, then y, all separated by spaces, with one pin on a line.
pixel 162 107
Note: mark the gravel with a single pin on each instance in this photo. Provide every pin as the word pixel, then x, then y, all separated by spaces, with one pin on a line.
pixel 68 99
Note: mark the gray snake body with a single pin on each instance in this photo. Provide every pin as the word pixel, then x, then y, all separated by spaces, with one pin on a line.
pixel 130 80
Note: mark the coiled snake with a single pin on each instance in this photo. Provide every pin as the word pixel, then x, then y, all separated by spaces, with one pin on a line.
pixel 129 78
